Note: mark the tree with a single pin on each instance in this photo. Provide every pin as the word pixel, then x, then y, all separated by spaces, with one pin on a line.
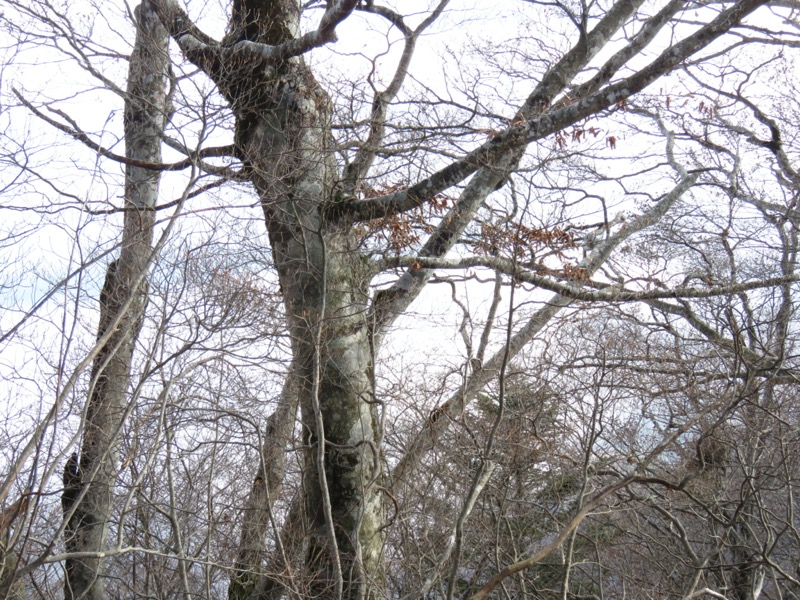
pixel 89 477
pixel 366 204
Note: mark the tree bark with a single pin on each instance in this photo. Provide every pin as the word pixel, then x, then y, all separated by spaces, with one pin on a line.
pixel 325 290
pixel 283 136
pixel 89 477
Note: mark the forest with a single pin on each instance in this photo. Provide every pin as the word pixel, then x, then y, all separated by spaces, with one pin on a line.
pixel 399 299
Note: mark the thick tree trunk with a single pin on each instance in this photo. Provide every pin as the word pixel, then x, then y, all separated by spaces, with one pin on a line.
pixel 89 478
pixel 325 289
pixel 283 137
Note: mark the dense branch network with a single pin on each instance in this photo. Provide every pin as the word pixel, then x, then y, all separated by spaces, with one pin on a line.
pixel 622 368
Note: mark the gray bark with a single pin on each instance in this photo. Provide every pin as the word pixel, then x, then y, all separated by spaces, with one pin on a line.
pixel 89 477
pixel 283 137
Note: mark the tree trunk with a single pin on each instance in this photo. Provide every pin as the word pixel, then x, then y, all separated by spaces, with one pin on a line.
pixel 325 289
pixel 283 137
pixel 285 141
pixel 89 478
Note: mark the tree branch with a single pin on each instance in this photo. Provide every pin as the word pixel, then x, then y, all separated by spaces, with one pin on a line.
pixel 519 135
pixel 210 55
pixel 437 423
pixel 76 133
pixel 355 171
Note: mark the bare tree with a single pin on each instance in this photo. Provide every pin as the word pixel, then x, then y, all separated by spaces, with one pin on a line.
pixel 373 192
pixel 89 477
